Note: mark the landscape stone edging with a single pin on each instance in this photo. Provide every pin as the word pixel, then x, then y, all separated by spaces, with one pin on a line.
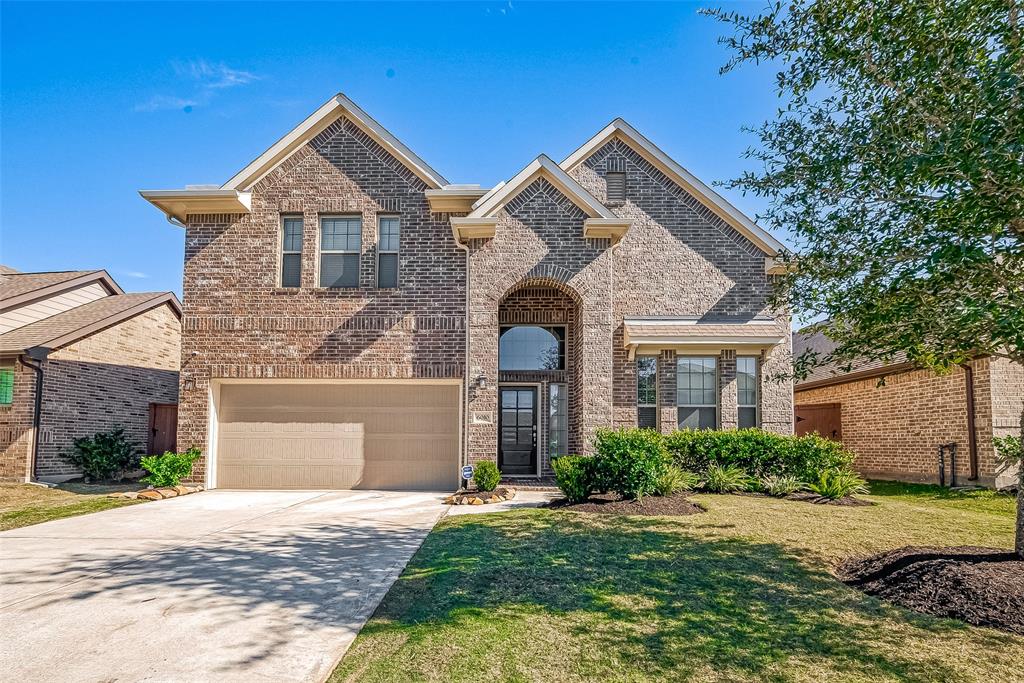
pixel 480 497
pixel 156 494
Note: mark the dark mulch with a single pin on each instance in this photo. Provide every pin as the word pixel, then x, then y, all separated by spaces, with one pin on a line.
pixel 613 504
pixel 982 586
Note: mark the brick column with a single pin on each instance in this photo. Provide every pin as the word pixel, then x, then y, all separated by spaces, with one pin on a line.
pixel 668 415
pixel 727 389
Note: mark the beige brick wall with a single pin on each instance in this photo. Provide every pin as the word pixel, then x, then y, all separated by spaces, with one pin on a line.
pixel 103 381
pixel 895 429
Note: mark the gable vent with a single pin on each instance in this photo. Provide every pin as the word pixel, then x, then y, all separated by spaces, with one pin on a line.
pixel 616 184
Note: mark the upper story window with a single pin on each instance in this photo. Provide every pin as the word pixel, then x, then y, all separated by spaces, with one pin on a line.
pixel 697 392
pixel 387 252
pixel 6 386
pixel 340 245
pixel 291 251
pixel 531 347
pixel 746 391
pixel 616 186
pixel 647 392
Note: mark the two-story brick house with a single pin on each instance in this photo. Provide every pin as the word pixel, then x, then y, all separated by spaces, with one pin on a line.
pixel 351 319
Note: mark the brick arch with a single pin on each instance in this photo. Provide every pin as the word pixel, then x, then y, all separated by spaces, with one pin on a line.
pixel 542 275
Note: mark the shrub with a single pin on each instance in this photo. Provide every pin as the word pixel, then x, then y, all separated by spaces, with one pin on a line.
pixel 835 484
pixel 574 476
pixel 728 479
pixel 104 456
pixel 780 485
pixel 673 480
pixel 170 468
pixel 486 476
pixel 1009 453
pixel 629 461
pixel 757 452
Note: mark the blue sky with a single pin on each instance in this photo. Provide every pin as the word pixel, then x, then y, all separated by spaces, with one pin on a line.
pixel 101 100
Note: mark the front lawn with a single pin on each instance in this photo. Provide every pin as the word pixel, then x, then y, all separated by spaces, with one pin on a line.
pixel 741 593
pixel 25 504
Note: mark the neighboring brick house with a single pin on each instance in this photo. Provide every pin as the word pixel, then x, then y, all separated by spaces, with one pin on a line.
pixel 354 320
pixel 895 417
pixel 104 359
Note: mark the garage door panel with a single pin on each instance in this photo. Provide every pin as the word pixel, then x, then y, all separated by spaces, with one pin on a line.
pixel 338 437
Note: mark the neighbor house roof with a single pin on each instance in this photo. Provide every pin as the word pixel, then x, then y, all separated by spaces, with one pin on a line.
pixel 74 324
pixel 620 130
pixel 480 222
pixel 19 288
pixel 657 333
pixel 833 372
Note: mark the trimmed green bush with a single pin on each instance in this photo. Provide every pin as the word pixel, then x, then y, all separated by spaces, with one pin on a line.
pixel 835 484
pixel 486 475
pixel 629 461
pixel 104 456
pixel 574 476
pixel 757 452
pixel 728 479
pixel 170 468
pixel 674 480
pixel 780 485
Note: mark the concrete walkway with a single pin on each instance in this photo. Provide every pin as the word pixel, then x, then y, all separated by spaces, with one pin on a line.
pixel 216 586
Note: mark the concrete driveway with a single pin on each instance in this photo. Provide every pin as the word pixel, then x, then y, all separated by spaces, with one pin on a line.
pixel 216 586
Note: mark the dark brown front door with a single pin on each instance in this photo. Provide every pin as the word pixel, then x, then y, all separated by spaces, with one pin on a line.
pixel 163 427
pixel 517 430
pixel 822 418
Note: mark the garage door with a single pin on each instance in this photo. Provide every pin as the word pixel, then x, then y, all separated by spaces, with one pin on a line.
pixel 338 436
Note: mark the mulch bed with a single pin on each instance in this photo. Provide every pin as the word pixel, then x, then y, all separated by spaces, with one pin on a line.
pixel 981 586
pixel 612 504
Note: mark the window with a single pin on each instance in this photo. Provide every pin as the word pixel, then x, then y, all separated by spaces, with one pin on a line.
pixel 697 392
pixel 6 386
pixel 616 186
pixel 340 244
pixel 647 392
pixel 530 347
pixel 387 252
pixel 558 420
pixel 291 252
pixel 746 391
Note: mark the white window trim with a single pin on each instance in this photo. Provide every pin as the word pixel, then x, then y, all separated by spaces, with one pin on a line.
pixel 757 392
pixel 657 418
pixel 321 251
pixel 398 262
pixel 280 263
pixel 717 405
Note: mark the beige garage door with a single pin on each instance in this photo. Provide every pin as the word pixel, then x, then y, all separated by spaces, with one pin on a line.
pixel 338 436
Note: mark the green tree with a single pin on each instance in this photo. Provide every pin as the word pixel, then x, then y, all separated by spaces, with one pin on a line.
pixel 896 160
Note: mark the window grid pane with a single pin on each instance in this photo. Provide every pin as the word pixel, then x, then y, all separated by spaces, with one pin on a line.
pixel 746 381
pixel 531 347
pixel 6 386
pixel 558 421
pixel 339 270
pixel 291 270
pixel 341 234
pixel 389 231
pixel 292 235
pixel 697 392
pixel 387 270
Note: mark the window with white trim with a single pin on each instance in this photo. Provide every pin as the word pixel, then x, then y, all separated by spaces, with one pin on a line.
pixel 647 392
pixel 746 391
pixel 387 251
pixel 291 251
pixel 697 392
pixel 340 246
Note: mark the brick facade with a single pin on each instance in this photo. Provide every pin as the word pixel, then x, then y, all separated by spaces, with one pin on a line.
pixel 677 259
pixel 105 380
pixel 895 429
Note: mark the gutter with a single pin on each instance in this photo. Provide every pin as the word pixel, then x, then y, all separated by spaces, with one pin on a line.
pixel 37 355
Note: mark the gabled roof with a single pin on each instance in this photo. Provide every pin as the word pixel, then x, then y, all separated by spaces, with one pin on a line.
pixel 324 116
pixel 17 289
pixel 834 372
pixel 74 324
pixel 620 130
pixel 601 222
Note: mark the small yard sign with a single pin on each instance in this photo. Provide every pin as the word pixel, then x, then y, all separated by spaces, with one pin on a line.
pixel 467 471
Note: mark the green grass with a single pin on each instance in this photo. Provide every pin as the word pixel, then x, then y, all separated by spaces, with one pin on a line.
pixel 743 592
pixel 23 504
pixel 940 496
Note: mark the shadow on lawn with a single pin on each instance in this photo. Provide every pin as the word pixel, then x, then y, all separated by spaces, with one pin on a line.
pixel 642 591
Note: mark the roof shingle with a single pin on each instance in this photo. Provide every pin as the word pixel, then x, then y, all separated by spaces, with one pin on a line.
pixel 17 284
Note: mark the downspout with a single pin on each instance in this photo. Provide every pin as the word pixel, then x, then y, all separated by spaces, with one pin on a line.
pixel 972 439
pixel 37 367
pixel 464 456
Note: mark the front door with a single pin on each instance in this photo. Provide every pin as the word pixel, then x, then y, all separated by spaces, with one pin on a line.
pixel 517 430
